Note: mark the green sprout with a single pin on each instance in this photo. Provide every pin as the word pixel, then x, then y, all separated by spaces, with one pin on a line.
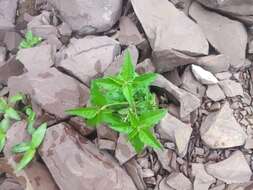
pixel 30 41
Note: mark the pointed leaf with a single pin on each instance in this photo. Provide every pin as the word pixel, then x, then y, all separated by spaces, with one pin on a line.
pixel 22 147
pixel 128 93
pixel 2 141
pixel 13 114
pixel 5 124
pixel 116 123
pixel 137 143
pixel 128 72
pixel 108 83
pixel 152 117
pixel 3 105
pixel 148 138
pixel 97 97
pixel 18 97
pixel 145 79
pixel 26 159
pixel 87 113
pixel 30 120
pixel 38 135
pixel 29 36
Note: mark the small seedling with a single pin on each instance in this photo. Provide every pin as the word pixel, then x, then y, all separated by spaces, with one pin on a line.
pixel 9 113
pixel 124 102
pixel 30 41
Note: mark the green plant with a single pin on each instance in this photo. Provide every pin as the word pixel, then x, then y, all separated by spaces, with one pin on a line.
pixel 9 113
pixel 124 102
pixel 30 41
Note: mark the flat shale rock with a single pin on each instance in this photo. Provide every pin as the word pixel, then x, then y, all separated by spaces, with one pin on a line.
pixel 170 128
pixel 89 57
pixel 37 59
pixel 231 88
pixel 215 93
pixel 179 182
pixel 221 130
pixel 168 28
pixel 10 184
pixel 89 16
pixel 234 169
pixel 7 13
pixel 217 29
pixel 76 163
pixel 2 54
pixel 203 76
pixel 52 90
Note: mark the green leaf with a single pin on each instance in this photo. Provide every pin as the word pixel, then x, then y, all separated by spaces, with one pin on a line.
pixel 97 97
pixel 136 143
pixel 38 135
pixel 133 119
pixel 108 83
pixel 5 124
pixel 22 147
pixel 116 123
pixel 29 36
pixel 30 120
pixel 145 79
pixel 128 93
pixel 26 159
pixel 152 117
pixel 148 138
pixel 3 105
pixel 2 141
pixel 128 72
pixel 13 114
pixel 18 97
pixel 87 113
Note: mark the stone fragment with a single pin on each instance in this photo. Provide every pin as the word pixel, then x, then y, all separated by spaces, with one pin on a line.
pixel 221 130
pixel 217 29
pixel 203 76
pixel 250 49
pixel 168 28
pixel 174 77
pixel 52 90
pixel 64 29
pixel 89 16
pixel 234 169
pixel 190 84
pixel 163 185
pixel 214 63
pixel 104 144
pixel 202 180
pixel 129 33
pixel 12 40
pixel 80 126
pixel 165 157
pixel 170 128
pixel 215 93
pixel 178 181
pixel 104 132
pixel 89 57
pixel 231 88
pixel 223 75
pixel 83 167
pixel 145 66
pixel 124 150
pixel 7 14
pixel 37 59
pixel 2 54
pixel 188 102
pixel 11 184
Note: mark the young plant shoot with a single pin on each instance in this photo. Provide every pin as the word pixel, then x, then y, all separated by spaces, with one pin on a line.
pixel 30 41
pixel 124 102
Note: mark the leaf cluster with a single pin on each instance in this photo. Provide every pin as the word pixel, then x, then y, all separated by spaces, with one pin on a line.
pixel 30 41
pixel 124 102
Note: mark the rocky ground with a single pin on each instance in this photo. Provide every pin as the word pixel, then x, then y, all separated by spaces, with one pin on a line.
pixel 203 52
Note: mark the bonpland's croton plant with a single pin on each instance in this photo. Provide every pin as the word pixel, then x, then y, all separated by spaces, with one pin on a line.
pixel 30 41
pixel 124 102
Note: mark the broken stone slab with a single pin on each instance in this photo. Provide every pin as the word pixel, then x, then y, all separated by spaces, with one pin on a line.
pixel 188 102
pixel 104 132
pixel 52 90
pixel 221 130
pixel 223 75
pixel 80 126
pixel 234 169
pixel 145 66
pixel 215 93
pixel 89 57
pixel 178 181
pixel 165 156
pixel 124 150
pixel 217 29
pixel 37 59
pixel 202 180
pixel 214 63
pixel 11 184
pixel 83 166
pixel 231 88
pixel 203 76
pixel 170 128
pixel 134 171
pixel 129 33
pixel 89 16
pixel 33 177
pixel 12 40
pixel 7 13
pixel 104 144
pixel 168 28
pixel 174 77
pixel 192 85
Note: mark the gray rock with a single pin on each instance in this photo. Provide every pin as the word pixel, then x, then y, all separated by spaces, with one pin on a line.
pixel 104 144
pixel 129 33
pixel 11 184
pixel 179 182
pixel 202 180
pixel 170 128
pixel 174 77
pixel 250 49
pixel 214 63
pixel 2 54
pixel 168 28
pixel 53 91
pixel 221 130
pixel 145 66
pixel 217 29
pixel 215 93
pixel 203 76
pixel 163 185
pixel 89 16
pixel 223 75
pixel 190 84
pixel 7 13
pixel 188 102
pixel 234 169
pixel 165 157
pixel 12 40
pixel 104 132
pixel 89 57
pixel 37 59
pixel 64 29
pixel 124 150
pixel 83 167
pixel 231 88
